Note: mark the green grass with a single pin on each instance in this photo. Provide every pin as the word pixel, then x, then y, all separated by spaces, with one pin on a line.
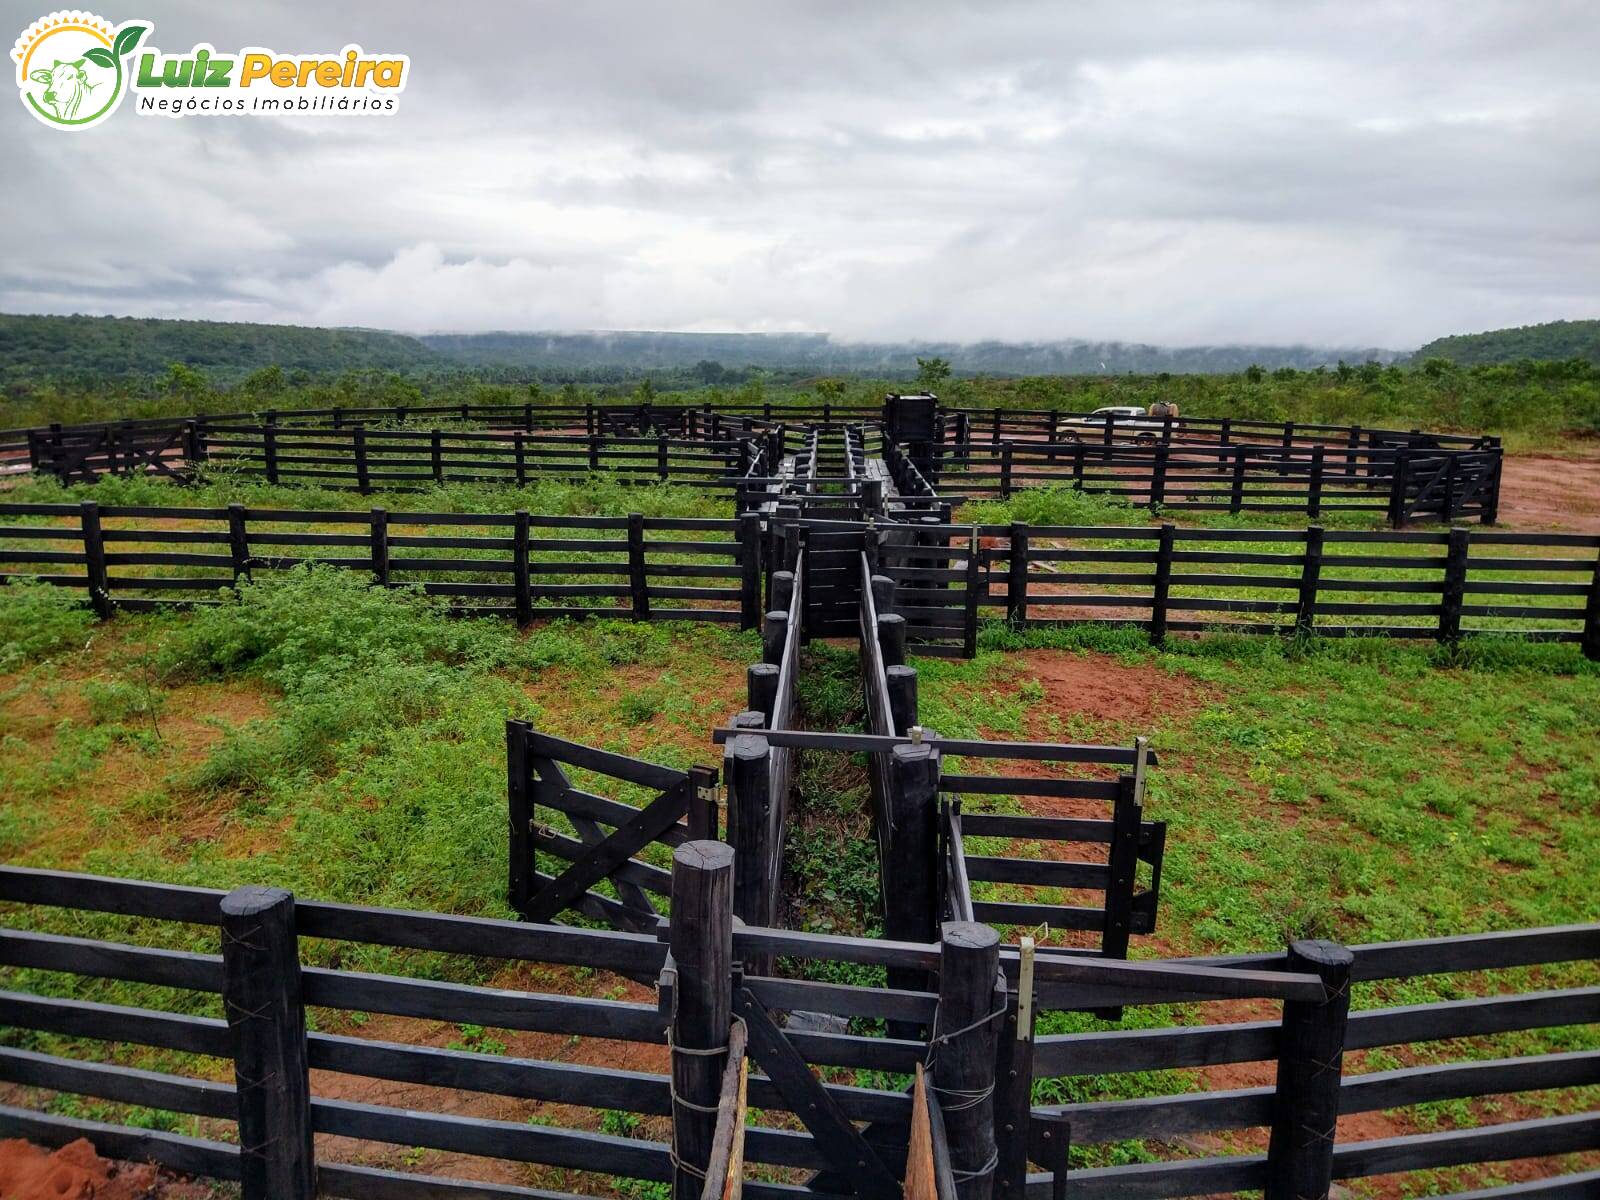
pixel 368 765
pixel 1363 791
pixel 600 495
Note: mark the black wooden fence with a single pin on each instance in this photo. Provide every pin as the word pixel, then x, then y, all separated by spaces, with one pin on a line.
pixel 512 564
pixel 1301 1150
pixel 1171 463
pixel 759 775
pixel 993 426
pixel 972 1030
pixel 262 989
pixel 367 460
pixel 951 425
pixel 1404 483
pixel 1445 585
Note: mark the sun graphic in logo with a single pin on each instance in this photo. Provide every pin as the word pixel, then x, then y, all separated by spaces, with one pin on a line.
pixel 70 67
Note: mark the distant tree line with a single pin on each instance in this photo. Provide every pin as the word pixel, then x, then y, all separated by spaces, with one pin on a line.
pixel 83 369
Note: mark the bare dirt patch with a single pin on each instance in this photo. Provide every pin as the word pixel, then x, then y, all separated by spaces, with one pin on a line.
pixel 1097 692
pixel 1544 492
pixel 76 1172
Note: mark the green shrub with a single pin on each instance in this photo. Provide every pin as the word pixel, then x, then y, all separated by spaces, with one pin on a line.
pixel 38 620
pixel 1053 506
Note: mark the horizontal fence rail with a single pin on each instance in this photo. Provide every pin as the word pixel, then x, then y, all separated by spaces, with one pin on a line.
pixel 1402 483
pixel 512 564
pixel 1164 462
pixel 1446 585
pixel 261 970
pixel 1304 1053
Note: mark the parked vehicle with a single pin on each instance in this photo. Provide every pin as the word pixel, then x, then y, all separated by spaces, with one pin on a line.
pixel 1135 423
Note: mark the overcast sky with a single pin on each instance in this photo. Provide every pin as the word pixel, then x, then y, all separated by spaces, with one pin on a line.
pixel 1340 174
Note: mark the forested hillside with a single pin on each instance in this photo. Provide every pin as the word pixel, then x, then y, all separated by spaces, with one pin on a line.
pixel 43 347
pixel 34 347
pixel 1553 341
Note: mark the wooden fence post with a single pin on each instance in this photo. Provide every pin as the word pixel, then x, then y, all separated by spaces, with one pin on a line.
pixel 963 1052
pixel 1158 477
pixel 774 634
pixel 1122 866
pixel 266 1022
pixel 1310 1063
pixel 594 453
pixel 94 557
pixel 780 591
pixel 1452 593
pixel 1014 1080
pixel 520 576
pixel 749 571
pixel 974 585
pixel 761 689
pixel 883 590
pixel 805 573
pixel 661 456
pixel 1314 486
pixel 269 451
pixel 194 444
pixel 1163 584
pixel 748 762
pixel 1398 482
pixel 1591 617
pixel 1491 500
pixel 702 815
pixel 520 440
pixel 892 639
pixel 1305 616
pixel 902 685
pixel 238 543
pixel 437 448
pixel 519 810
pixel 1005 471
pixel 637 582
pixel 1236 496
pixel 910 900
pixel 701 937
pixel 380 547
pixel 363 471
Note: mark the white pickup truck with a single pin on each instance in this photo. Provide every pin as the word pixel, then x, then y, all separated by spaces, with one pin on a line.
pixel 1127 423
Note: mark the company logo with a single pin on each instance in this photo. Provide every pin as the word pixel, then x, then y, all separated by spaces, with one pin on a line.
pixel 70 67
pixel 73 69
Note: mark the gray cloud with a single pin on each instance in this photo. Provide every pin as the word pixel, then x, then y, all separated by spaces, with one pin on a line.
pixel 1167 172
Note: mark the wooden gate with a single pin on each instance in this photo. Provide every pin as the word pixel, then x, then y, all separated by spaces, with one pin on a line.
pixel 82 456
pixel 1123 907
pixel 542 798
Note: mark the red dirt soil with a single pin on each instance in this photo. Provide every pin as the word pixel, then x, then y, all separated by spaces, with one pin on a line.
pixel 74 1172
pixel 1539 492
pixel 1134 698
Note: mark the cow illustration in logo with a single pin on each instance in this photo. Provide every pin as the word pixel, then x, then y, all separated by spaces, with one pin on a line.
pixel 70 67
